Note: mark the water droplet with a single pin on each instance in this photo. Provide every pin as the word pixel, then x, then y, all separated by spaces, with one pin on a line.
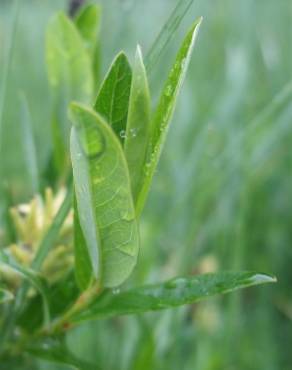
pixel 116 291
pixel 177 283
pixel 183 62
pixel 133 132
pixel 123 134
pixel 168 90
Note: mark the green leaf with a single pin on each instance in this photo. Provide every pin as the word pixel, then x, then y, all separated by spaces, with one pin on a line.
pixel 83 269
pixel 104 198
pixel 113 98
pixel 88 24
pixel 35 279
pixel 55 350
pixel 167 33
pixel 138 125
pixel 70 76
pixel 5 296
pixel 173 293
pixel 61 296
pixel 165 109
pixel 67 59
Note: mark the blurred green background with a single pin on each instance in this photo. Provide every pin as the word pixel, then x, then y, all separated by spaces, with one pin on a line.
pixel 222 198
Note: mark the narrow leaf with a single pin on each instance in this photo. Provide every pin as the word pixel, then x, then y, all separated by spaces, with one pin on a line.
pixel 138 125
pixel 88 23
pixel 83 268
pixel 165 109
pixel 113 98
pixel 176 292
pixel 104 198
pixel 35 279
pixel 5 296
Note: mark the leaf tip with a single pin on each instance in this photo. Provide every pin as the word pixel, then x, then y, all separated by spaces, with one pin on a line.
pixel 263 278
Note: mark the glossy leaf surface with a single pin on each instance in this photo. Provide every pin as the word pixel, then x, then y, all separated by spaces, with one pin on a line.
pixel 165 109
pixel 138 125
pixel 113 98
pixel 174 293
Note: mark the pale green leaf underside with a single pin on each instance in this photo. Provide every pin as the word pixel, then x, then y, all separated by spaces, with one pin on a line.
pixel 103 189
pixel 34 279
pixel 67 59
pixel 113 98
pixel 138 125
pixel 174 293
pixel 5 296
pixel 88 23
pixel 164 111
pixel 83 267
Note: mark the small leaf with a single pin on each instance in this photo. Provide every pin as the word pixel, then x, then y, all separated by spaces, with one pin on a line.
pixel 35 279
pixel 104 199
pixel 83 269
pixel 138 125
pixel 88 23
pixel 176 292
pixel 54 350
pixel 165 109
pixel 5 296
pixel 113 98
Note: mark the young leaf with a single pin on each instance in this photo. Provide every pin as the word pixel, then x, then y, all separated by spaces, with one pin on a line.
pixel 83 269
pixel 88 23
pixel 36 280
pixel 67 59
pixel 165 109
pixel 70 76
pixel 104 198
pixel 113 98
pixel 176 292
pixel 5 295
pixel 138 125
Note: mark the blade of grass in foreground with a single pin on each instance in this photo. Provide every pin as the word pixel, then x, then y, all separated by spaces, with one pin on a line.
pixel 29 144
pixel 174 293
pixel 167 33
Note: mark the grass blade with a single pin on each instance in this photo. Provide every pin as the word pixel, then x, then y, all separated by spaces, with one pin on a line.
pixel 29 145
pixel 167 33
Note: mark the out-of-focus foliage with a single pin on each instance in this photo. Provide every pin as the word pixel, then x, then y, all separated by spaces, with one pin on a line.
pixel 221 198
